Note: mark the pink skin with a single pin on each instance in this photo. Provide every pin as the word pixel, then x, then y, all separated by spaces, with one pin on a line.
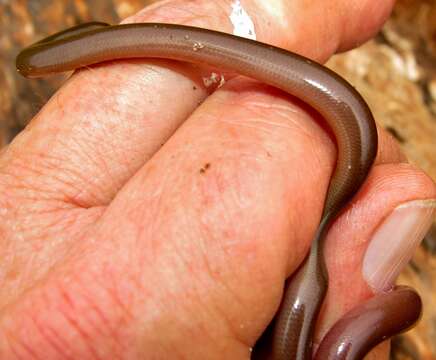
pixel 125 248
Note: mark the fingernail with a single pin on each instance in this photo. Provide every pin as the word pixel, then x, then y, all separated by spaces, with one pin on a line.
pixel 395 241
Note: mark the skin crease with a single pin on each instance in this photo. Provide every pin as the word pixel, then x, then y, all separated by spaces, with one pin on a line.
pixel 353 126
pixel 292 339
pixel 235 99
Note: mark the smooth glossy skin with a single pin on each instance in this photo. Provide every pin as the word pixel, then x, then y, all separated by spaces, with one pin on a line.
pixel 358 330
pixel 345 111
pixel 75 30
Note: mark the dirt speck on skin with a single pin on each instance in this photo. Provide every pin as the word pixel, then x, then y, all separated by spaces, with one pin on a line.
pixel 204 168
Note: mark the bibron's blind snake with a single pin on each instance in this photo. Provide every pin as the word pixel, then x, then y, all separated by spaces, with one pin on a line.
pixel 346 113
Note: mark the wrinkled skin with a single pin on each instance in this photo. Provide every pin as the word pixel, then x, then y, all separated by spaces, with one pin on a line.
pixel 128 235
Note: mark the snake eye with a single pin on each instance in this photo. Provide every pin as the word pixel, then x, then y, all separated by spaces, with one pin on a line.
pixel 24 70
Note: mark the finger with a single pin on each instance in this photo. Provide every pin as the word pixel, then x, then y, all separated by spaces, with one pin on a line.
pixel 296 257
pixel 106 122
pixel 375 238
pixel 205 233
pixel 192 253
pixel 229 194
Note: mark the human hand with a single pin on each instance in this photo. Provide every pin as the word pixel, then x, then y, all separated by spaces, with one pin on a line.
pixel 117 247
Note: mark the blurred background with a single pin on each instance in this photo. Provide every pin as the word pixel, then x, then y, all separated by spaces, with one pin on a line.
pixel 395 72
